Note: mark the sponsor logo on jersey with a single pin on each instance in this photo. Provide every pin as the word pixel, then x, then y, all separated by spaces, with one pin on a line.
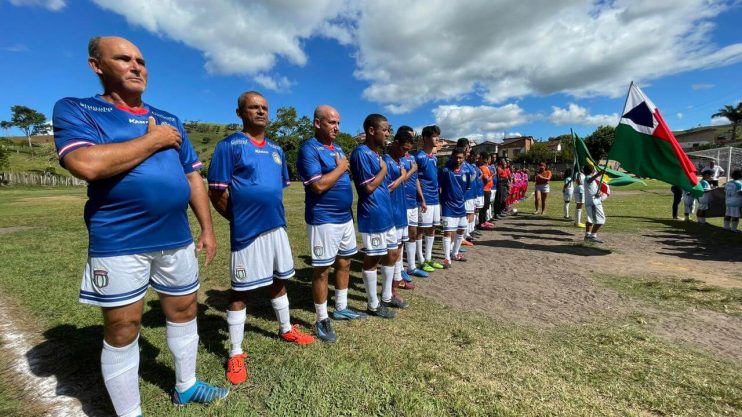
pixel 162 116
pixel 138 122
pixel 318 251
pixel 100 278
pixel 239 142
pixel 261 151
pixel 240 272
pixel 277 158
pixel 96 108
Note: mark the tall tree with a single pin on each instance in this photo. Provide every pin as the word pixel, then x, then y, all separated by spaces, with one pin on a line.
pixel 28 120
pixel 600 141
pixel 734 114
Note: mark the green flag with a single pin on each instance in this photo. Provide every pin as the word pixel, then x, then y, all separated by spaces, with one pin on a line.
pixel 583 157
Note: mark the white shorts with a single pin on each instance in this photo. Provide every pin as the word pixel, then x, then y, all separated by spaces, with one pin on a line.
pixel 115 281
pixel 578 196
pixel 567 194
pixel 377 244
pixel 327 241
pixel 479 202
pixel 544 188
pixel 451 224
pixel 402 235
pixel 690 205
pixel 267 257
pixel 412 217
pixel 431 217
pixel 469 206
pixel 703 204
pixel 595 213
pixel 732 212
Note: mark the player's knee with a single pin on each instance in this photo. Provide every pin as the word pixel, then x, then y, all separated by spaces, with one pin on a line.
pixel 122 332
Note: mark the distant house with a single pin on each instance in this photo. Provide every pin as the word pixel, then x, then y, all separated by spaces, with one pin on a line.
pixel 705 135
pixel 360 138
pixel 445 146
pixel 488 146
pixel 512 147
pixel 553 144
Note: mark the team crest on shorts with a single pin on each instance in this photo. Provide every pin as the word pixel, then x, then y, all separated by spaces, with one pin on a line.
pixel 375 242
pixel 100 278
pixel 240 272
pixel 318 251
pixel 277 158
pixel 444 223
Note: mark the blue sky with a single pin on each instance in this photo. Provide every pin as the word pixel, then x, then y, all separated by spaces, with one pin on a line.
pixel 482 69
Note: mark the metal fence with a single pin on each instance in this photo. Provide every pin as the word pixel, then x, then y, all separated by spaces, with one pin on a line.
pixel 37 178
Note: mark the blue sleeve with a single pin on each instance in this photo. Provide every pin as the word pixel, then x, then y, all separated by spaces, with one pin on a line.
pixel 73 128
pixel 188 155
pixel 389 177
pixel 285 172
pixel 361 168
pixel 220 168
pixel 308 165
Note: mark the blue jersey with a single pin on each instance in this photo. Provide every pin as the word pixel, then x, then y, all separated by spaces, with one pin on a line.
pixel 141 210
pixel 470 173
pixel 427 169
pixel 733 193
pixel 493 172
pixel 397 196
pixel 256 175
pixel 410 186
pixel 453 189
pixel 335 204
pixel 478 182
pixel 375 209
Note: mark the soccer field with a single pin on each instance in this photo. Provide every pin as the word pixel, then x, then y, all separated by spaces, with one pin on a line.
pixel 436 358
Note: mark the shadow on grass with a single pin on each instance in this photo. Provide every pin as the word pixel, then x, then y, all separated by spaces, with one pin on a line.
pixel 72 356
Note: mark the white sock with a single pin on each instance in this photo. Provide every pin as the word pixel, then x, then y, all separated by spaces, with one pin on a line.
pixel 387 278
pixel 429 248
pixel 410 247
pixel 341 299
pixel 369 279
pixel 457 244
pixel 578 216
pixel 471 228
pixel 236 323
pixel 281 308
pixel 120 368
pixel 726 224
pixel 321 311
pixel 447 248
pixel 566 209
pixel 182 340
pixel 398 270
pixel 734 224
pixel 419 249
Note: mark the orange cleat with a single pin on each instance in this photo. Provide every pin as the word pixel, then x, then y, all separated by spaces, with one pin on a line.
pixel 296 336
pixel 236 369
pixel 466 243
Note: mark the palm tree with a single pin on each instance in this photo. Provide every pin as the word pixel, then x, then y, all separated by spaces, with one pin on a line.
pixel 734 114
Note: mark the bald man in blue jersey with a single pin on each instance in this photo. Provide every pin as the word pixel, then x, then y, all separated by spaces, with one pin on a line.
pixel 142 173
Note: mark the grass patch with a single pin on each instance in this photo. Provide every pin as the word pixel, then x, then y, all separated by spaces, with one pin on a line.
pixel 677 293
pixel 431 361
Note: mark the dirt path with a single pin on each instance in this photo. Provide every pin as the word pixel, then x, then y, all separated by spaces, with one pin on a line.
pixel 530 271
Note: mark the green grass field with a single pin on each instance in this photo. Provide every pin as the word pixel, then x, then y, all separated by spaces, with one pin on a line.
pixel 431 361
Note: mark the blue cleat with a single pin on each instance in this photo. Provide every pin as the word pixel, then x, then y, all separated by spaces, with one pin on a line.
pixel 419 273
pixel 348 314
pixel 200 392
pixel 406 277
pixel 323 329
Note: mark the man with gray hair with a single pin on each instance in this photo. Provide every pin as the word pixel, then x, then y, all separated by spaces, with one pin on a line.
pixel 129 152
pixel 323 168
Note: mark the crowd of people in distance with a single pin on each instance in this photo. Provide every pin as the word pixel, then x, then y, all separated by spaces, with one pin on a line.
pixel 709 182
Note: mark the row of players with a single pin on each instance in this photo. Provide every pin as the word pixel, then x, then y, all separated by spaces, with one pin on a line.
pixel 732 199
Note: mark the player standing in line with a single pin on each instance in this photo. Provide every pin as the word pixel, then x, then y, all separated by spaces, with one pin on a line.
pixel 129 152
pixel 733 193
pixel 594 204
pixel 567 190
pixel 454 181
pixel 396 175
pixel 492 214
pixel 579 196
pixel 427 174
pixel 703 202
pixel 415 203
pixel 484 212
pixel 247 176
pixel 328 204
pixel 471 192
pixel 375 217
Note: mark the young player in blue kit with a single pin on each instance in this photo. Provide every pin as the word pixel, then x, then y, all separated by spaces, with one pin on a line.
pixel 247 176
pixel 375 221
pixel 323 167
pixel 454 182
pixel 430 213
pixel 129 152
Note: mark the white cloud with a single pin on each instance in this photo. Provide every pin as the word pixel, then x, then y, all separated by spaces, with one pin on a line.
pixel 272 83
pixel 53 5
pixel 444 50
pixel 241 36
pixel 18 47
pixel 679 115
pixel 478 123
pixel 577 115
pixel 719 121
pixel 702 86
